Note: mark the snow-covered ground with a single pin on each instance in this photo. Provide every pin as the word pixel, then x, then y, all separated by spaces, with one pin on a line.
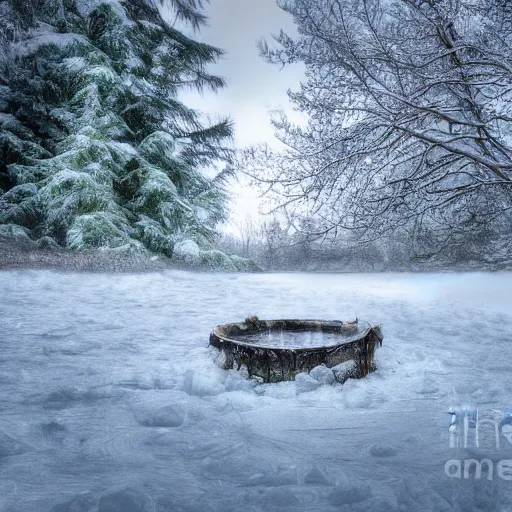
pixel 110 400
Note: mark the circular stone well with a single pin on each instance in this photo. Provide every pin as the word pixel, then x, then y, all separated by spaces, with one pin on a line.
pixel 278 350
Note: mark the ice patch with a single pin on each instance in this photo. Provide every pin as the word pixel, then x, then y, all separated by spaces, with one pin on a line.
pixel 236 468
pixel 237 381
pixel 427 386
pixel 305 383
pixel 68 397
pixel 344 371
pixel 361 394
pixel 285 475
pixel 202 384
pixel 54 430
pixel 323 375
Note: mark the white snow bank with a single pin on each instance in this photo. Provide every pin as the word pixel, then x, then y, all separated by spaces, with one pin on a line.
pixel 203 384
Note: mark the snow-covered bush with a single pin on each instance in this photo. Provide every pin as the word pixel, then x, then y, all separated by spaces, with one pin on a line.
pixel 47 242
pixel 187 251
pixel 70 193
pixel 19 205
pixel 244 264
pixel 98 229
pixel 217 260
pixel 153 235
pixel 14 233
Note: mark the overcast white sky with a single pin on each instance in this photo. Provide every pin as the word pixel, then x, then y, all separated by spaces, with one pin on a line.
pixel 254 86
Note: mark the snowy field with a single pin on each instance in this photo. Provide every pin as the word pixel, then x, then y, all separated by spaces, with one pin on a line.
pixel 110 400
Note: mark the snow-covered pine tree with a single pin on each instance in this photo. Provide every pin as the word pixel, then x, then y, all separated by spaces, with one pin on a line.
pixel 95 147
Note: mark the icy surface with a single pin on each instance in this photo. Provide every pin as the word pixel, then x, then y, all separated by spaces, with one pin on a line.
pixel 323 374
pixel 111 401
pixel 299 338
pixel 305 383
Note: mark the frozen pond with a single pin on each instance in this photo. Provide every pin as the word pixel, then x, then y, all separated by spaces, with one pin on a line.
pixel 110 400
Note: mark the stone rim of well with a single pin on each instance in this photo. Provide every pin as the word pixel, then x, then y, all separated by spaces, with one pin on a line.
pixel 275 363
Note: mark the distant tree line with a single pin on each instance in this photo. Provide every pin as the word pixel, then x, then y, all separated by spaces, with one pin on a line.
pixel 276 244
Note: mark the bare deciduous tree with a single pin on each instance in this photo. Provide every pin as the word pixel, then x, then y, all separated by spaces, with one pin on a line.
pixel 409 106
pixel 247 230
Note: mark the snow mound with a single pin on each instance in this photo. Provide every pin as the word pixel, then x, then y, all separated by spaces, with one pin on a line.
pixel 285 475
pixel 239 381
pixel 323 375
pixel 305 383
pixel 348 492
pixel 427 386
pixel 315 476
pixel 164 417
pixel 382 450
pixel 187 251
pixel 202 384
